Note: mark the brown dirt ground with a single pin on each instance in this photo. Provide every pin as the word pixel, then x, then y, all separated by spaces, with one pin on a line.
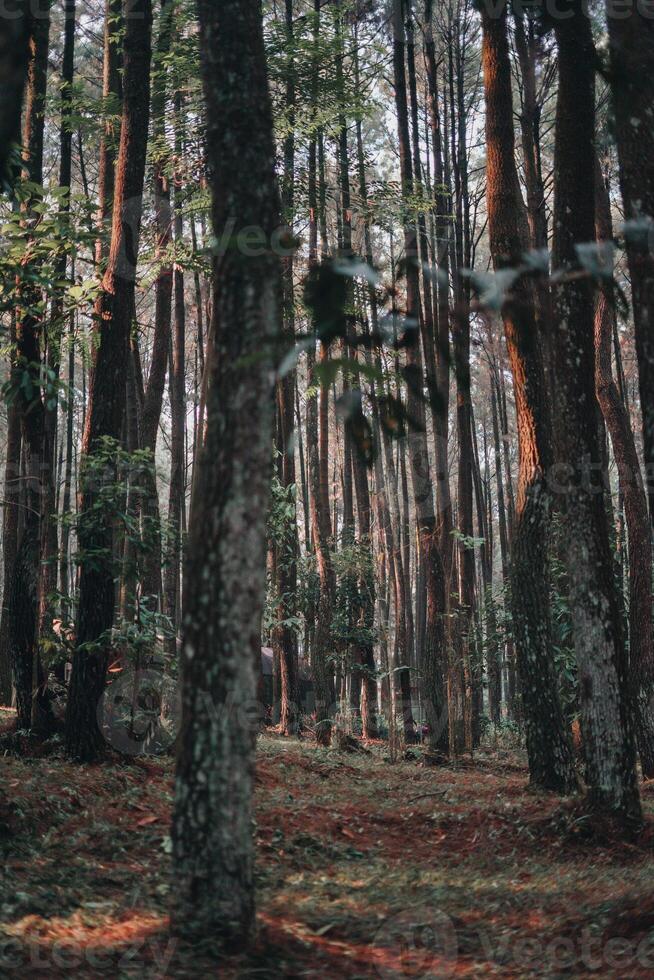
pixel 364 870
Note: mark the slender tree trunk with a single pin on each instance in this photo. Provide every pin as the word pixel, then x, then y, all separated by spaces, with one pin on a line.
pixel 111 86
pixel 511 676
pixel 366 599
pixel 284 636
pixel 320 523
pixel 318 452
pixel 25 593
pixel 57 320
pixel 178 416
pixel 597 627
pixel 466 583
pixel 131 442
pixel 154 391
pixel 64 571
pixel 493 657
pixel 548 745
pixel 530 131
pixel 15 28
pixel 433 652
pixel 199 345
pixel 9 536
pixel 369 724
pixel 641 651
pixel 414 614
pixel 443 205
pixel 631 39
pixel 113 313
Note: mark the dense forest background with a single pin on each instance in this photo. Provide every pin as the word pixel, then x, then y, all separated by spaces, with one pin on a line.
pixel 328 402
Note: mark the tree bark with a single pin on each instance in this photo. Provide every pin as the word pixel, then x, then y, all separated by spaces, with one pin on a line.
pixel 321 528
pixel 597 627
pixel 284 636
pixel 641 648
pixel 55 333
pixel 113 318
pixel 25 594
pixel 178 417
pixel 225 574
pixel 466 553
pixel 631 40
pixel 442 310
pixel 64 556
pixel 530 130
pixel 154 391
pixel 318 451
pixel 9 537
pixel 548 744
pixel 430 558
pixel 111 86
pixel 15 26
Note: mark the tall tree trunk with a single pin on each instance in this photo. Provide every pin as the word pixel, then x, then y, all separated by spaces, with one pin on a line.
pixel 368 682
pixel 199 345
pixel 154 391
pixel 631 40
pixel 442 310
pixel 127 551
pixel 9 535
pixel 415 615
pixel 57 319
pixel 466 554
pixel 365 606
pixel 597 627
pixel 178 415
pixel 511 677
pixel 530 130
pixel 113 315
pixel 321 528
pixel 433 652
pixel 111 87
pixel 435 361
pixel 15 26
pixel 493 658
pixel 284 636
pixel 641 649
pixel 548 745
pixel 25 594
pixel 64 557
pixel 213 848
pixel 318 445
pixel 460 679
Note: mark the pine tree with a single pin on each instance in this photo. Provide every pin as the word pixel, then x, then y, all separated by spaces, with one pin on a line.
pixel 225 574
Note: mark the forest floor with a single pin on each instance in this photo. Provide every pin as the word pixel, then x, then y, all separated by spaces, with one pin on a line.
pixel 365 869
